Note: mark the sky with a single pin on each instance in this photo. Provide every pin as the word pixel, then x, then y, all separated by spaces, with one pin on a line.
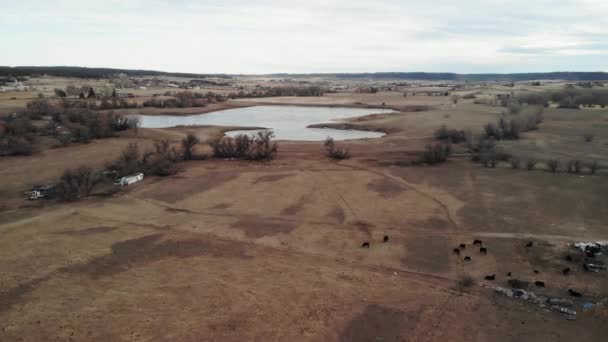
pixel 308 36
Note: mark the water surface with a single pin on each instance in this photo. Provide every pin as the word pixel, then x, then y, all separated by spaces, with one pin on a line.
pixel 287 122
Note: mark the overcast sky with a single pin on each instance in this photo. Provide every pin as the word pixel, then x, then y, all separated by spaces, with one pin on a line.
pixel 248 36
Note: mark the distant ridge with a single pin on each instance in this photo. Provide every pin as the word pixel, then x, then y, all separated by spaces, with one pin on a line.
pixel 446 76
pixel 82 72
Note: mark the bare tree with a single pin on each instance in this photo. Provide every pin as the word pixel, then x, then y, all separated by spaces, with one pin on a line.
pixel 188 144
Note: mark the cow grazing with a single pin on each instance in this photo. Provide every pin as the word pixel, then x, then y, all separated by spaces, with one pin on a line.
pixel 483 250
pixel 574 293
pixel 456 251
pixel 467 258
pixel 508 274
pixel 530 244
pixel 566 271
pixel 539 283
pixel 492 277
pixel 477 243
pixel 365 245
pixel 385 238
pixel 462 246
pixel 536 271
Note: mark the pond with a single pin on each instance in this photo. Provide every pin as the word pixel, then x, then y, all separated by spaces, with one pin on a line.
pixel 287 122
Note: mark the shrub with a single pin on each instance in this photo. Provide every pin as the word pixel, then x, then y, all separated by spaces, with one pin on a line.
pixel 515 163
pixel 530 164
pixel 435 154
pixel 188 144
pixel 264 148
pixel 593 167
pixel 16 146
pixel 588 137
pixel 453 135
pixel 553 165
pixel 77 183
pixel 334 152
pixel 465 282
pixel 128 162
pixel 121 123
pixel 258 147
pixel 482 147
pixel 60 93
pixel 574 166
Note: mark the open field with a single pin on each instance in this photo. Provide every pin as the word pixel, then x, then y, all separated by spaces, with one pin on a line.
pixel 230 250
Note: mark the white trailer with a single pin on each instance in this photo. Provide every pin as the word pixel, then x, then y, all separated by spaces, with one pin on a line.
pixel 131 179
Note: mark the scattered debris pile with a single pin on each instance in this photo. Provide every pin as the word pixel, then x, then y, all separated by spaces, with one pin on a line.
pixel 561 305
pixel 593 250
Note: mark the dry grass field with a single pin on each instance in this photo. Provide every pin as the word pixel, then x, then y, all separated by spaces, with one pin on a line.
pixel 230 250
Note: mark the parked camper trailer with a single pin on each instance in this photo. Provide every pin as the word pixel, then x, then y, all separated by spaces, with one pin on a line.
pixel 131 179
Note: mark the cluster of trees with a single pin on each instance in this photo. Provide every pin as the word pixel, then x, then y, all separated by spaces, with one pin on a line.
pixel 70 122
pixel 436 153
pixel 17 135
pixel 184 99
pixel 163 161
pixel 566 98
pixel 280 91
pixel 258 147
pixel 39 107
pixel 451 135
pixel 511 129
pixel 81 72
pixel 334 152
pixel 84 126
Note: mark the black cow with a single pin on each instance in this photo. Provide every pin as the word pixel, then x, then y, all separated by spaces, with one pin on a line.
pixel 477 243
pixel 569 257
pixel 483 250
pixel 539 283
pixel 385 238
pixel 467 258
pixel 566 271
pixel 530 244
pixel 462 246
pixel 574 293
pixel 365 245
pixel 536 271
pixel 456 251
pixel 492 277
pixel 508 274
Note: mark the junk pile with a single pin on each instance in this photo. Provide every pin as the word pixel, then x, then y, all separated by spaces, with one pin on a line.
pixel 593 250
pixel 561 305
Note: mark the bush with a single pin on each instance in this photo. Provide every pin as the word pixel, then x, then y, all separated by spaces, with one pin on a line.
pixel 530 164
pixel 264 148
pixel 515 163
pixel 588 137
pixel 334 152
pixel 188 144
pixel 258 147
pixel 77 183
pixel 593 167
pixel 128 162
pixel 453 135
pixel 16 146
pixel 553 165
pixel 465 282
pixel 574 166
pixel 435 154
pixel 121 123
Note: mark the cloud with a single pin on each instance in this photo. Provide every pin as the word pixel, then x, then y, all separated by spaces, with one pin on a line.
pixel 239 36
